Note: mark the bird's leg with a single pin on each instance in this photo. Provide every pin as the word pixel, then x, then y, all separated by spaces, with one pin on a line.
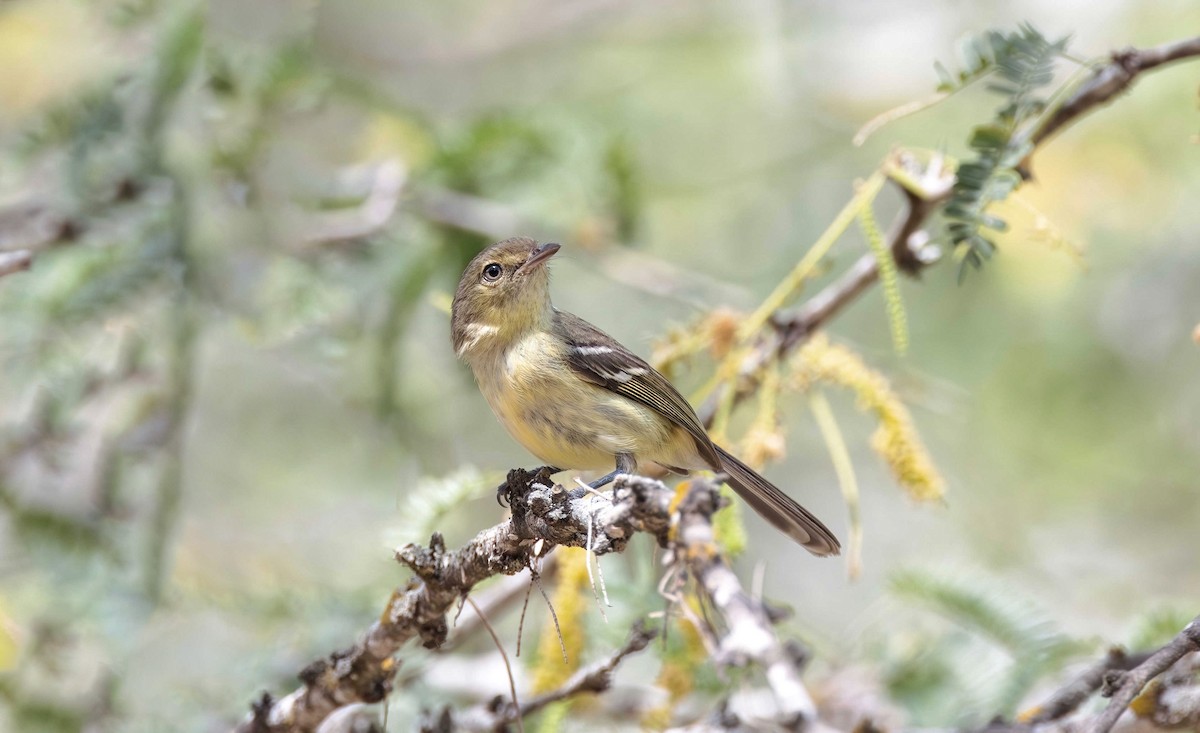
pixel 504 490
pixel 626 463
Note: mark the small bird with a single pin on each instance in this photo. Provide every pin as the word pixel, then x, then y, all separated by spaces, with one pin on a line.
pixel 577 399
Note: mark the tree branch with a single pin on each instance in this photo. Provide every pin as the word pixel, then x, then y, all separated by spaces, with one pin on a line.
pixel 749 636
pixel 1128 685
pixel 543 516
pixel 1113 79
pixel 904 240
pixel 1068 699
pixel 592 679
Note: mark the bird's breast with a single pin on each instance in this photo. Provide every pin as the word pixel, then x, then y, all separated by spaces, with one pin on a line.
pixel 563 419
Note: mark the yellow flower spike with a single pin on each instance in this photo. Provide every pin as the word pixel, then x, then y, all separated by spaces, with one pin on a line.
pixel 896 438
pixel 764 440
pixel 549 672
pixel 889 278
pixel 722 329
pixel 9 642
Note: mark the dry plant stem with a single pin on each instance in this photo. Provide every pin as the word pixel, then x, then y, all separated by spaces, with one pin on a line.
pixel 592 679
pixel 512 683
pixel 364 672
pixel 749 636
pixel 1129 684
pixel 1068 699
pixel 1112 79
pixel 596 677
pixel 497 598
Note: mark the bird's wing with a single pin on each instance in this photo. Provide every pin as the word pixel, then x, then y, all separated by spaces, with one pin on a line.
pixel 597 358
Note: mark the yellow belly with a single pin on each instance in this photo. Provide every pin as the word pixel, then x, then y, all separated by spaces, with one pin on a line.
pixel 569 423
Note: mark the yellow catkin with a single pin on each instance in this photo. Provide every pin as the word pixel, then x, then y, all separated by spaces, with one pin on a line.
pixel 764 441
pixel 569 600
pixel 1146 703
pixel 722 330
pixel 896 439
pixel 889 278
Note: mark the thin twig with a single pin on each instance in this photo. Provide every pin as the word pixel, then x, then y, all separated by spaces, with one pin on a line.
pixel 524 608
pixel 512 683
pixel 595 677
pixel 17 261
pixel 1131 683
pixel 554 616
pixel 1068 699
pixel 1113 79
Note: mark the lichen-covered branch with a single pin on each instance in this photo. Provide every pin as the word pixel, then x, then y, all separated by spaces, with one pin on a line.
pixel 748 635
pixel 543 516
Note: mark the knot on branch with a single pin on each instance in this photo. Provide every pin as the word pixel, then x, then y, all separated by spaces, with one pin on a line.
pixel 433 634
pixel 368 680
pixel 426 562
pixel 260 713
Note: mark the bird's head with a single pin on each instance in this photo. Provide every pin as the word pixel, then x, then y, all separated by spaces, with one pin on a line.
pixel 504 292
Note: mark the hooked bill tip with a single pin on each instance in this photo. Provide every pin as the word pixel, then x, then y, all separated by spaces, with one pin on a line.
pixel 541 253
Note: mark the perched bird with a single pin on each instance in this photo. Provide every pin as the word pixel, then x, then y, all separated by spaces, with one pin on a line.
pixel 577 399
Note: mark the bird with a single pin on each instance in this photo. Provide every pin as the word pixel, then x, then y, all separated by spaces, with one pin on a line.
pixel 577 399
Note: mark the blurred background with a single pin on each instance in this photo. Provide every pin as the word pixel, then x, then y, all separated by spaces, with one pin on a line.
pixel 227 389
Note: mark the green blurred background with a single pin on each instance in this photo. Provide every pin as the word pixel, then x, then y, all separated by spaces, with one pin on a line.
pixel 707 140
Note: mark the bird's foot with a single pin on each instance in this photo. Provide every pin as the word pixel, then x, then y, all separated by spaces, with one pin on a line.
pixel 519 480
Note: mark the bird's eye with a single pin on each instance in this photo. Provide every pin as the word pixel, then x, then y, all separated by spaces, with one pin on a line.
pixel 492 272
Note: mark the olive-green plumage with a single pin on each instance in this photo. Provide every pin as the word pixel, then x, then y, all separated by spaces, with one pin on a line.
pixel 576 398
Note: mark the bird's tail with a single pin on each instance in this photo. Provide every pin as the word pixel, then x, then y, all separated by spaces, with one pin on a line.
pixel 778 508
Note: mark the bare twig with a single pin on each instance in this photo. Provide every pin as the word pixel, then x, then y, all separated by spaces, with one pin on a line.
pixel 1129 684
pixel 596 677
pixel 512 683
pixel 17 261
pixel 495 716
pixel 387 183
pixel 1066 700
pixel 1113 79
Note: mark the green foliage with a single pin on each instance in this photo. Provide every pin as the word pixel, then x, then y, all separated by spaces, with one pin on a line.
pixel 1158 626
pixel 1023 64
pixel 434 499
pixel 624 189
pixel 1031 641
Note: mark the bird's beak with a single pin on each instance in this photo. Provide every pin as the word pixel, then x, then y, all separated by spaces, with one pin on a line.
pixel 540 254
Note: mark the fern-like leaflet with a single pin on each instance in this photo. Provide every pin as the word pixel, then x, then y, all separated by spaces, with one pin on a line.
pixel 1023 64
